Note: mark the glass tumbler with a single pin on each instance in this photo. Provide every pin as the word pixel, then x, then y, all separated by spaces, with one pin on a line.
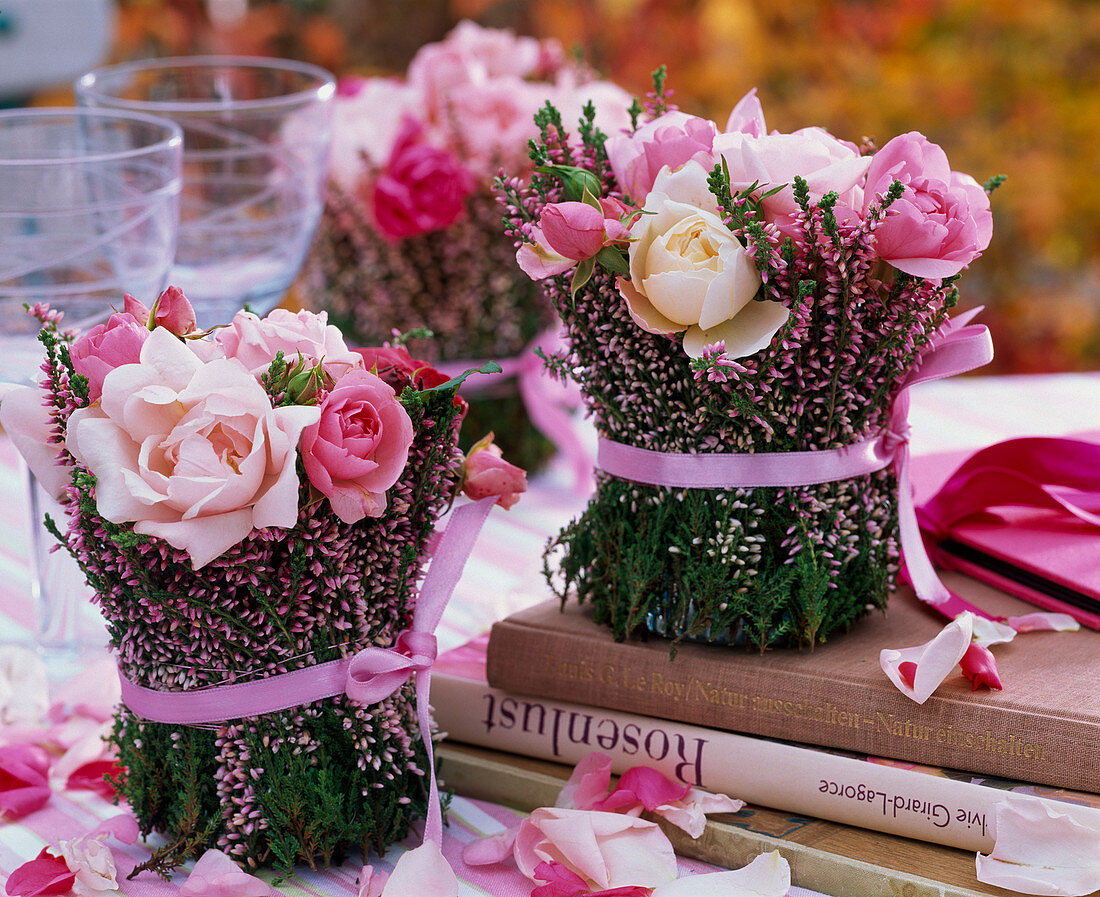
pixel 256 136
pixel 89 204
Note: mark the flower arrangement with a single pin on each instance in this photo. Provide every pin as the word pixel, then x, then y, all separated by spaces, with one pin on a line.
pixel 251 503
pixel 410 235
pixel 730 295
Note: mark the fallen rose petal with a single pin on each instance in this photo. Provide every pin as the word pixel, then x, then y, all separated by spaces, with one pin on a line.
pixel 371 883
pixel 562 882
pixel 216 875
pixel 769 875
pixel 980 667
pixel 643 786
pixel 1038 622
pixel 1039 850
pixel 935 660
pixel 608 850
pixel 991 632
pixel 92 777
pixel 421 872
pixel 45 874
pixel 90 748
pixel 490 849
pixel 24 780
pixel 690 812
pixel 588 784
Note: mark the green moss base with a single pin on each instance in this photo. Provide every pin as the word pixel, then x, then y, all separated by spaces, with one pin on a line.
pixel 762 567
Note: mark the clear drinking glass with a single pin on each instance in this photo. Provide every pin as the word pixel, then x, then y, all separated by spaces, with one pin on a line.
pixel 256 135
pixel 89 204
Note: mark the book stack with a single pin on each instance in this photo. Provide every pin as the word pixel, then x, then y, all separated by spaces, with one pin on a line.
pixel 822 734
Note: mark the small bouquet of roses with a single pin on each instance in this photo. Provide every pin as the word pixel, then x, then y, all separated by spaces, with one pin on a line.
pixel 410 235
pixel 743 310
pixel 252 507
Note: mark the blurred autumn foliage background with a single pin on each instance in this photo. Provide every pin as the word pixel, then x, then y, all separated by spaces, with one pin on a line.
pixel 1005 87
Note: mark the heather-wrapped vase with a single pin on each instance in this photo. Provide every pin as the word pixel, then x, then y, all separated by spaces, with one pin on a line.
pixel 410 235
pixel 361 459
pixel 739 292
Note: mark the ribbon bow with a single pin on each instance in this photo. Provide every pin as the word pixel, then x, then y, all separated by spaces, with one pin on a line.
pixel 959 346
pixel 370 676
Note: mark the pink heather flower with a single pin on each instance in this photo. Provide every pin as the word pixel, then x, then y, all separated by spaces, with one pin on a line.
pixel 24 780
pixel 45 874
pixel 254 341
pixel 217 875
pixel 941 223
pixel 190 452
pixel 359 446
pixel 980 667
pixel 672 139
pixel 105 347
pixel 422 189
pixel 487 473
pixel 173 312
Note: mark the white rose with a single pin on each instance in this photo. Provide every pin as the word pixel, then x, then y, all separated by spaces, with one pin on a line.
pixel 93 864
pixel 689 274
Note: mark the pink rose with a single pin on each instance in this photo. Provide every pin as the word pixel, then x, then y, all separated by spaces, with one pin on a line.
pixel 29 425
pixel 399 369
pixel 190 452
pixel 773 160
pixel 24 782
pixel 941 223
pixel 174 312
pixel 487 473
pixel 365 123
pixel 106 346
pixel 575 230
pixel 497 119
pixel 137 308
pixel 672 139
pixel 422 189
pixel 254 341
pixel 607 850
pixel 748 116
pixel 359 446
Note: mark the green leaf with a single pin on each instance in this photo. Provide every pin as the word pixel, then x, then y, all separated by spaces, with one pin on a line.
pixel 575 180
pixel 582 274
pixel 589 199
pixel 613 259
pixel 994 182
pixel 490 367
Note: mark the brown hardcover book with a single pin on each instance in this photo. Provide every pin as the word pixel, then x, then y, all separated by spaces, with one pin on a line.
pixel 1043 728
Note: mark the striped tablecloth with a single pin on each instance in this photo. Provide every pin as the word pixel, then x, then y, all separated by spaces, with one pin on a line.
pixel 504 575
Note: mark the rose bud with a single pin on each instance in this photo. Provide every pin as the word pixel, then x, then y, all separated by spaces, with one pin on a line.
pixel 487 473
pixel 174 312
pixel 980 667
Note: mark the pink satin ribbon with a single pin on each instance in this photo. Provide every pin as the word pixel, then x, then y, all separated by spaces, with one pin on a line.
pixel 546 400
pixel 367 678
pixel 959 346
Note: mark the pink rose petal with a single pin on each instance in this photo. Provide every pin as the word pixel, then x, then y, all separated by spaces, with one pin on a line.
pixel 421 872
pixel 561 882
pixel 24 782
pixel 92 777
pixel 608 850
pixel 769 875
pixel 1037 622
pixel 45 874
pixel 371 883
pixel 216 875
pixel 1039 850
pixel 588 784
pixel 935 660
pixel 490 849
pixel 690 812
pixel 645 786
pixel 27 423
